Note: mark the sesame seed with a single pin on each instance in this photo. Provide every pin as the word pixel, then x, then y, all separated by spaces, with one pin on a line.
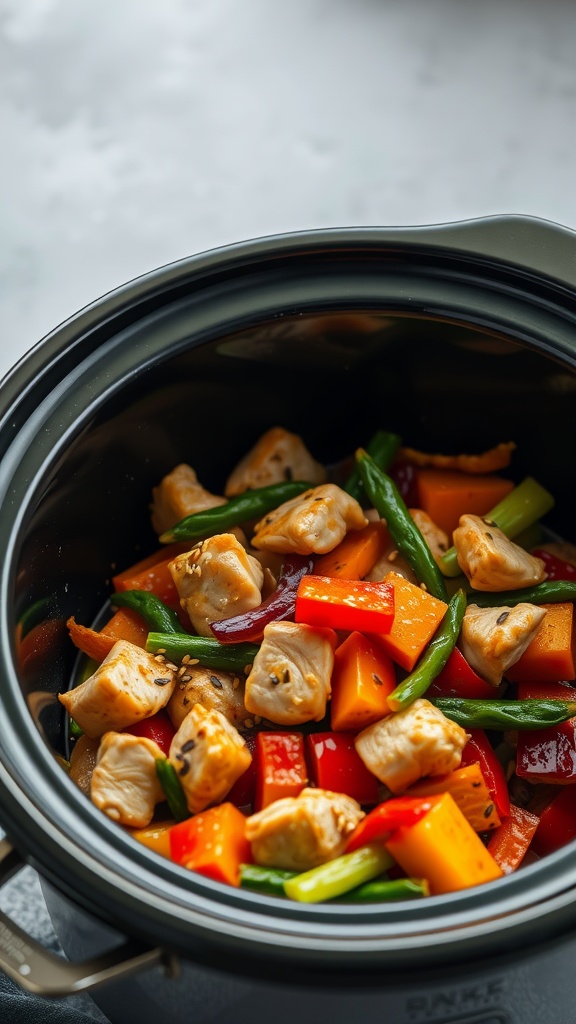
pixel 249 724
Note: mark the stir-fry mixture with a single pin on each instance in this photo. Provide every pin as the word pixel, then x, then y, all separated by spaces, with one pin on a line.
pixel 354 683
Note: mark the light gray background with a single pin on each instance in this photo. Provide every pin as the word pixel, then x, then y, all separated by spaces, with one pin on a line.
pixel 137 132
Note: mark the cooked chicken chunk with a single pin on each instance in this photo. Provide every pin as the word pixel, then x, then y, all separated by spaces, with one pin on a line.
pixel 436 538
pixel 128 686
pixel 298 833
pixel 493 639
pixel 290 678
pixel 215 580
pixel 208 755
pixel 312 523
pixel 124 782
pixel 276 457
pixel 178 495
pixel 214 690
pixel 406 746
pixel 490 560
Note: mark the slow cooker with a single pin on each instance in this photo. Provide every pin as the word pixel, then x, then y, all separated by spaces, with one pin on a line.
pixel 456 336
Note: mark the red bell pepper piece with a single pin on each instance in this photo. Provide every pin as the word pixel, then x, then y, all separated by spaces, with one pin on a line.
pixel 158 728
pixel 243 790
pixel 478 750
pixel 548 755
pixel 509 843
pixel 280 766
pixel 345 604
pixel 249 627
pixel 458 679
pixel 557 823
pixel 546 691
pixel 213 843
pixel 336 765
pixel 399 812
pixel 405 477
pixel 556 568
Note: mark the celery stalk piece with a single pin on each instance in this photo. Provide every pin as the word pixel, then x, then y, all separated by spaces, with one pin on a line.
pixel 525 505
pixel 340 875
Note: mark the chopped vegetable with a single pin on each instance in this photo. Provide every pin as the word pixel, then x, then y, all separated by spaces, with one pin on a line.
pixel 509 844
pixel 210 653
pixel 97 644
pixel 269 881
pixel 551 654
pixel 382 447
pixel 362 679
pixel 384 890
pixel 339 876
pixel 385 497
pixel 158 728
pixel 434 659
pixel 240 509
pixel 490 461
pixel 505 714
pixel 447 494
pixel 157 615
pixel 417 616
pixel 213 843
pixel 155 837
pixel 557 824
pixel 336 766
pixel 388 817
pixel 553 592
pixel 356 555
pixel 521 507
pixel 345 604
pixel 556 568
pixel 458 679
pixel 443 848
pixel 548 754
pixel 468 788
pixel 478 750
pixel 280 766
pixel 280 605
pixel 172 789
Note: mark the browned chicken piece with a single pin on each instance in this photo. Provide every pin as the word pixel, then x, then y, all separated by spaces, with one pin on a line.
pixel 215 690
pixel 487 462
pixel 290 679
pixel 410 744
pixel 277 456
pixel 493 639
pixel 208 755
pixel 490 560
pixel 178 495
pixel 312 523
pixel 83 762
pixel 124 782
pixel 299 833
pixel 128 686
pixel 215 580
pixel 435 537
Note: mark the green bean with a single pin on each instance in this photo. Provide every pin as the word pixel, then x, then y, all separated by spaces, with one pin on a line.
pixel 384 890
pixel 158 615
pixel 522 507
pixel 209 653
pixel 382 447
pixel 249 505
pixel 436 656
pixel 75 731
pixel 172 787
pixel 386 498
pixel 549 592
pixel 338 876
pixel 505 714
pixel 266 880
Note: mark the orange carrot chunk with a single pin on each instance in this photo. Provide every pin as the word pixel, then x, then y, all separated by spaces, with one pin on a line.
pixel 362 678
pixel 447 494
pixel 417 616
pixel 125 624
pixel 551 655
pixel 468 789
pixel 356 555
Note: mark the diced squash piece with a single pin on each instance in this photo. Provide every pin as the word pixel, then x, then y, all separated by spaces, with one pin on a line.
pixel 356 555
pixel 155 837
pixel 362 678
pixel 445 849
pixel 125 624
pixel 551 655
pixel 417 616
pixel 469 791
pixel 447 494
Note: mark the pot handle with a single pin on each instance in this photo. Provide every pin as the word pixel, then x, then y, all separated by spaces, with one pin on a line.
pixel 539 246
pixel 42 973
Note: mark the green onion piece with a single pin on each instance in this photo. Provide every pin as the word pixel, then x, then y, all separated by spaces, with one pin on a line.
pixel 269 881
pixel 505 714
pixel 383 890
pixel 382 447
pixel 210 653
pixel 525 505
pixel 432 662
pixel 172 789
pixel 340 875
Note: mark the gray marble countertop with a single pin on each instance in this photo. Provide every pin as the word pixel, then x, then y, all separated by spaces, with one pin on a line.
pixel 136 133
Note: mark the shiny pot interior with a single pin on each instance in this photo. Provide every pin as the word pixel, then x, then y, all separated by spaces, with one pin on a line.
pixel 332 335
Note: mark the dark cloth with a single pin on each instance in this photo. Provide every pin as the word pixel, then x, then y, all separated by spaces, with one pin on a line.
pixel 18 1007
